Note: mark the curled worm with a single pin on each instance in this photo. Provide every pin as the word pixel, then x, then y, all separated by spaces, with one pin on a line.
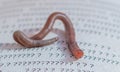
pixel 34 41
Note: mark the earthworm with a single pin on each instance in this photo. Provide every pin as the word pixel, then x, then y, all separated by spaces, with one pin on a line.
pixel 69 30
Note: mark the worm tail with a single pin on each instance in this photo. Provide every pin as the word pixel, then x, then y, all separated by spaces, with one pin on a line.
pixel 22 39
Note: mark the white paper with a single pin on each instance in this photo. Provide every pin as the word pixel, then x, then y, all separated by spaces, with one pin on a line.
pixel 97 28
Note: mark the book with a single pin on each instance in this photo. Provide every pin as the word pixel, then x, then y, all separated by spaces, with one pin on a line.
pixel 97 30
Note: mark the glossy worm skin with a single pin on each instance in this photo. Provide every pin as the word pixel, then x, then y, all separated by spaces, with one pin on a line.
pixel 69 30
pixel 22 39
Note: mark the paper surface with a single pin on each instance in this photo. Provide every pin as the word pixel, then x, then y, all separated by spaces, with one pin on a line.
pixel 97 28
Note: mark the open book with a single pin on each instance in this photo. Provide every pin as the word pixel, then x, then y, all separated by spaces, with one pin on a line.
pixel 97 29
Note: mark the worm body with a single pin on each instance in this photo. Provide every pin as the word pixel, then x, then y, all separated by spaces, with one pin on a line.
pixel 69 30
pixel 22 39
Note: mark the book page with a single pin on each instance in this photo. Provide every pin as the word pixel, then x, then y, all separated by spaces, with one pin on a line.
pixel 97 29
